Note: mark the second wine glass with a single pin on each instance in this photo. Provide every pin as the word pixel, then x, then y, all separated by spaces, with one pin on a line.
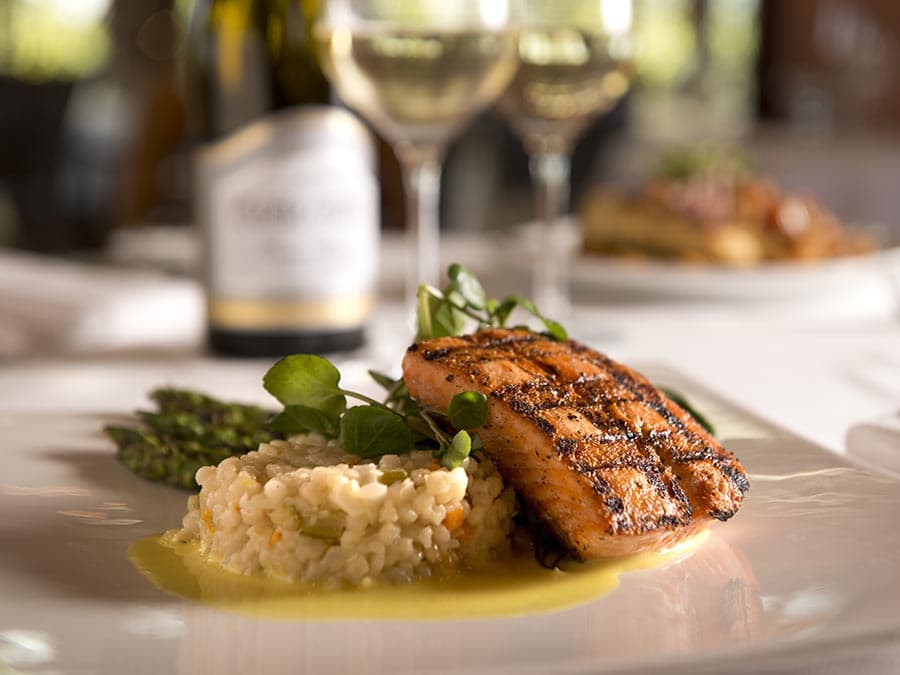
pixel 574 58
pixel 418 72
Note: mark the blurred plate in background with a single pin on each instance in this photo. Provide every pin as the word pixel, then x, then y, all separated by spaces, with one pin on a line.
pixel 595 275
pixel 769 281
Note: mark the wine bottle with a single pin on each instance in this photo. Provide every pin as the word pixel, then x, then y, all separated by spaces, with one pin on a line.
pixel 284 184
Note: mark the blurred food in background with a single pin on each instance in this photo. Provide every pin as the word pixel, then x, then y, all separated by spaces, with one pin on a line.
pixel 708 206
pixel 729 73
pixel 94 136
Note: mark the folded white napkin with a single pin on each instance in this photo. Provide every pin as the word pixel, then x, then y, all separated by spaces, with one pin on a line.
pixel 49 305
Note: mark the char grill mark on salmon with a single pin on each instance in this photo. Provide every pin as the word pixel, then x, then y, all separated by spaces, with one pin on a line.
pixel 604 457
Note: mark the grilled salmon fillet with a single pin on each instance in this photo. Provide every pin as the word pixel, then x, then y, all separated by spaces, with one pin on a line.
pixel 605 458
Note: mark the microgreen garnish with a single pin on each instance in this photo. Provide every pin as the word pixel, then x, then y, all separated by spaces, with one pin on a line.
pixel 460 447
pixel 309 386
pixel 369 431
pixel 468 410
pixel 446 312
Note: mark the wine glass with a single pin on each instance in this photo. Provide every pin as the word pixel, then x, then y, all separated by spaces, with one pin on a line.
pixel 573 66
pixel 418 71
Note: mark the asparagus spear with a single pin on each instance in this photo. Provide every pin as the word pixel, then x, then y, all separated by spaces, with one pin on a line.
pixel 188 430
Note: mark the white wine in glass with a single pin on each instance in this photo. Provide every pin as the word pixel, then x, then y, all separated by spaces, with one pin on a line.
pixel 418 72
pixel 574 65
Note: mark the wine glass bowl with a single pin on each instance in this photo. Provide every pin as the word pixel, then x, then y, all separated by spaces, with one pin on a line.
pixel 574 65
pixel 416 87
pixel 418 72
pixel 565 79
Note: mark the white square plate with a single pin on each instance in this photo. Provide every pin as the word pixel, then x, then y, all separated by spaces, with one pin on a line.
pixel 806 577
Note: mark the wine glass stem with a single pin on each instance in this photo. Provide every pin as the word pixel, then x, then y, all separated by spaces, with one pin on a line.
pixel 421 184
pixel 550 176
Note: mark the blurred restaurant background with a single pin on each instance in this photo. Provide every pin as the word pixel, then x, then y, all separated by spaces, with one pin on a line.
pixel 94 138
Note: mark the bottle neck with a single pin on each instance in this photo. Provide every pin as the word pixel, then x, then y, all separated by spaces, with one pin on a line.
pixel 247 58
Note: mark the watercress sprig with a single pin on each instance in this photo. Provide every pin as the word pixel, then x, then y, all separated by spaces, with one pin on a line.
pixel 446 312
pixel 309 388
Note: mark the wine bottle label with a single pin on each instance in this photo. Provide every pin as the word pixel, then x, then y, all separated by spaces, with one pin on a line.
pixel 289 210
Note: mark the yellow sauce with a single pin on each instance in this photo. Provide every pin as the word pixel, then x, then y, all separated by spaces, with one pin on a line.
pixel 518 586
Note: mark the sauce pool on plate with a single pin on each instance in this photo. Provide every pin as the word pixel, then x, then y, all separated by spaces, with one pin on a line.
pixel 513 587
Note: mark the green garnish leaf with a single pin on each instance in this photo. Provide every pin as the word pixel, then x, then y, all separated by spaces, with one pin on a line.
pixel 369 431
pixel 459 448
pixel 426 298
pixel 439 313
pixel 467 285
pixel 554 328
pixel 446 319
pixel 525 304
pixel 309 381
pixel 385 381
pixel 468 410
pixel 504 309
pixel 446 312
pixel 397 396
pixel 298 419
pixel 286 424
